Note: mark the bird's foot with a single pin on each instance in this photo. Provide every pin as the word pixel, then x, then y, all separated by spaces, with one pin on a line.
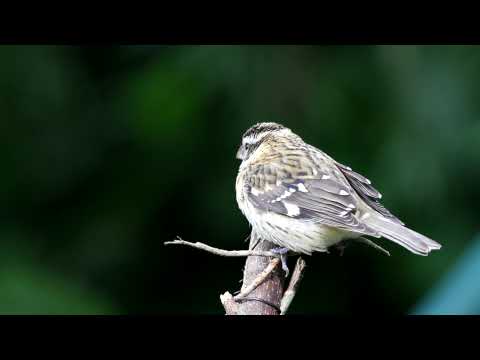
pixel 341 246
pixel 282 251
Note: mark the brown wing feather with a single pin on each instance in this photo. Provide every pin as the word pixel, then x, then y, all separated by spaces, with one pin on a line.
pixel 325 201
pixel 367 192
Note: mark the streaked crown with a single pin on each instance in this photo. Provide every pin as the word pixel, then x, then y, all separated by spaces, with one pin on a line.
pixel 262 128
pixel 254 136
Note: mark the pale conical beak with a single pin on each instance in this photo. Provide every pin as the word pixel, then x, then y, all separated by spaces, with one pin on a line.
pixel 240 153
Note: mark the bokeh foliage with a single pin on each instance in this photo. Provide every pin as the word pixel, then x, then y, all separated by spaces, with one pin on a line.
pixel 106 153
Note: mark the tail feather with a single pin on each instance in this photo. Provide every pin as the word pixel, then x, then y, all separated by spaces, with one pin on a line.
pixel 411 240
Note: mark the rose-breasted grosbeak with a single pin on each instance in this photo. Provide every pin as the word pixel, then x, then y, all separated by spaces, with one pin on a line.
pixel 299 198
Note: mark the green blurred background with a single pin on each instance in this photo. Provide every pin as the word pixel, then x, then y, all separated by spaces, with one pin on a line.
pixel 107 152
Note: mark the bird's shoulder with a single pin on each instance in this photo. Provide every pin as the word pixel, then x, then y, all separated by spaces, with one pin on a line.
pixel 288 162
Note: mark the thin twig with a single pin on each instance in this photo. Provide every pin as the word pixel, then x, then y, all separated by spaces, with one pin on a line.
pixel 369 242
pixel 293 285
pixel 258 280
pixel 221 252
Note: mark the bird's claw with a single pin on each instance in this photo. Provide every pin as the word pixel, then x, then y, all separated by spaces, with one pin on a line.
pixel 284 265
pixel 341 246
pixel 282 251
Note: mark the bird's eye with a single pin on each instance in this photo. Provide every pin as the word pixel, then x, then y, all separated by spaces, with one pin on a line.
pixel 247 146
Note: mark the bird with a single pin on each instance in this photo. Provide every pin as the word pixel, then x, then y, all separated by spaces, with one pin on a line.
pixel 300 199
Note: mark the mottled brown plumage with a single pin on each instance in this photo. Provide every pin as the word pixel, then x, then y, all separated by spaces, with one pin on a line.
pixel 298 197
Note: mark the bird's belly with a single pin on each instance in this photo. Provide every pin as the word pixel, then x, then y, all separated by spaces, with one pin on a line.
pixel 298 236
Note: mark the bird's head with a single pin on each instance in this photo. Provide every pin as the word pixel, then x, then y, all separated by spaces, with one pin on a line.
pixel 254 136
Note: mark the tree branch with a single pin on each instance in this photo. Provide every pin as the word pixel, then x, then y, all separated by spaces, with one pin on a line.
pixel 265 298
pixel 230 306
pixel 263 280
pixel 293 286
pixel 258 280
